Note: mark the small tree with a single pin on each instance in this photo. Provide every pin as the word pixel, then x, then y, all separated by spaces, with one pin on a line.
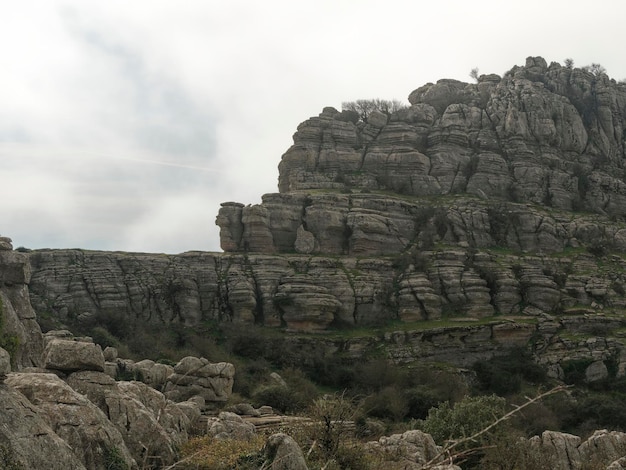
pixel 474 73
pixel 366 107
pixel 595 69
pixel 569 63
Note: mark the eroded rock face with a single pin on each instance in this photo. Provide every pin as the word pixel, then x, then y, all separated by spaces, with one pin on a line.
pixel 502 197
pixel 228 425
pixel 74 418
pixel 69 356
pixel 197 376
pixel 139 412
pixel 19 325
pixel 567 452
pixel 31 440
pixel 415 448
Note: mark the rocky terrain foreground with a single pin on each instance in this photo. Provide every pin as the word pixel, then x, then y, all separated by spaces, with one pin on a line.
pixel 480 218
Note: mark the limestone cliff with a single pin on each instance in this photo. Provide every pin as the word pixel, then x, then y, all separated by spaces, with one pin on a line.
pixel 501 198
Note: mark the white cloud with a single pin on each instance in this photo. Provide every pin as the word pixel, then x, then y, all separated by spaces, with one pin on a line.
pixel 124 124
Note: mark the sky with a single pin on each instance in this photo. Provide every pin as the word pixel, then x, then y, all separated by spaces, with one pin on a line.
pixel 125 123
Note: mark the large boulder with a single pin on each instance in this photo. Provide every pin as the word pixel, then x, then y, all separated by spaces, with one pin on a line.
pixel 415 448
pixel 69 356
pixel 228 425
pixel 197 376
pixel 146 439
pixel 283 453
pixel 28 440
pixel 74 418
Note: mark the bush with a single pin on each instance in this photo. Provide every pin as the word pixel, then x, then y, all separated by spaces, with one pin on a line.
pixel 388 403
pixel 114 460
pixel 574 370
pixel 504 375
pixel 419 400
pixel 296 396
pixel 464 419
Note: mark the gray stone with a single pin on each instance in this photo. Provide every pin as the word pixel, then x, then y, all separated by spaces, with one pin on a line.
pixel 284 453
pixel 71 356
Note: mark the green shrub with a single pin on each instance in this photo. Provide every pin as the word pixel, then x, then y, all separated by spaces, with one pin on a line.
pixel 464 419
pixel 296 396
pixel 419 400
pixel 114 460
pixel 388 403
pixel 596 411
pixel 574 370
pixel 102 337
pixel 504 375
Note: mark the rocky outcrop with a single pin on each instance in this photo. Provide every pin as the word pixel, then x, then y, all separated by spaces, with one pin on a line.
pixel 228 425
pixel 283 453
pixel 70 356
pixel 28 439
pixel 413 448
pixel 74 419
pixel 195 376
pixel 563 451
pixel 20 333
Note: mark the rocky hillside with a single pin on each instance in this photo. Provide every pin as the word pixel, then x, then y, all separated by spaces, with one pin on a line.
pixel 491 201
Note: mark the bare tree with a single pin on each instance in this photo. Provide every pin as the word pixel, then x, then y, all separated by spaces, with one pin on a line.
pixel 365 107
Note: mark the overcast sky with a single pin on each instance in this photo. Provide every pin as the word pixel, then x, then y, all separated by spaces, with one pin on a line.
pixel 125 123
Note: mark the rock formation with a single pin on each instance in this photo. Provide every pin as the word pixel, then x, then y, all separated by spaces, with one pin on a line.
pixel 501 199
pixel 496 206
pixel 61 410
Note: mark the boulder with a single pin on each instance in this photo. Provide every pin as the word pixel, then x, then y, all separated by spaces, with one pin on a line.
pixel 283 453
pixel 414 447
pixel 197 376
pixel 146 439
pixel 74 418
pixel 69 356
pixel 28 440
pixel 229 425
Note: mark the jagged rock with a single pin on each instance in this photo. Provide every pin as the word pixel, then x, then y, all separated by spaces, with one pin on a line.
pixel 174 418
pixel 596 371
pixel 20 326
pixel 229 425
pixel 6 244
pixel 567 452
pixel 30 440
pixel 14 268
pixel 110 354
pixel 74 418
pixel 139 424
pixel 283 453
pixel 603 446
pixel 151 373
pixel 414 447
pixel 197 376
pixel 70 356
